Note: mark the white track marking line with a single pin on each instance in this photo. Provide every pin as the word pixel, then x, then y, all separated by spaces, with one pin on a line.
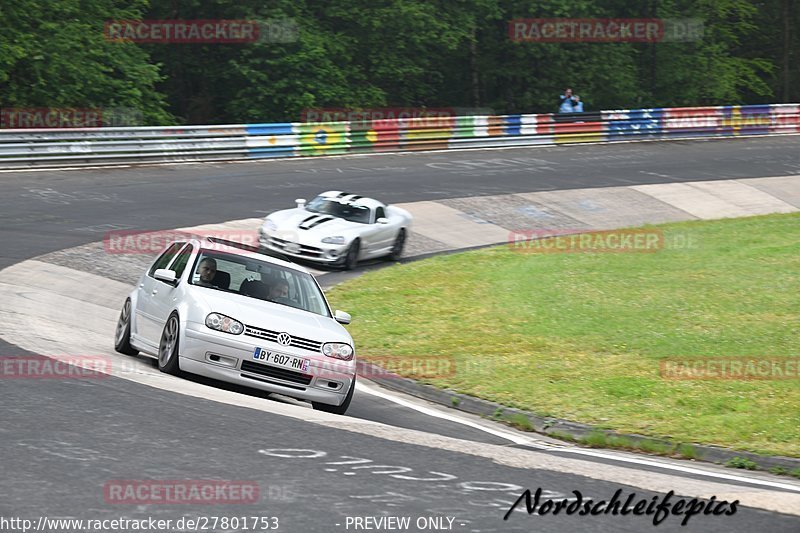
pixel 679 468
pixel 517 439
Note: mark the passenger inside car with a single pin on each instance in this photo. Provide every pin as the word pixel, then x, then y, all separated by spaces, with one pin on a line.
pixel 254 289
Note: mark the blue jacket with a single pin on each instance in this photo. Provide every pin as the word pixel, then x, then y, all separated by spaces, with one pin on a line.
pixel 566 105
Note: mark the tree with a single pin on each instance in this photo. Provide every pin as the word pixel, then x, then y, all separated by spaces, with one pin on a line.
pixel 55 55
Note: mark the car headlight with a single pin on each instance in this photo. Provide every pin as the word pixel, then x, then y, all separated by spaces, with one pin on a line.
pixel 338 239
pixel 224 323
pixel 270 225
pixel 339 350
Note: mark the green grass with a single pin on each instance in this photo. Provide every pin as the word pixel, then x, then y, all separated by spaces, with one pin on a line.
pixel 563 435
pixel 581 336
pixel 598 439
pixel 518 420
pixel 741 462
pixel 687 451
pixel 651 446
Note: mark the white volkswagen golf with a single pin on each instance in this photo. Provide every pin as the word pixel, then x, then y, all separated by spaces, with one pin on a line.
pixel 229 312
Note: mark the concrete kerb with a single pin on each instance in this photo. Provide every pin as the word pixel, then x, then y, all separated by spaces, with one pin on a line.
pixel 560 428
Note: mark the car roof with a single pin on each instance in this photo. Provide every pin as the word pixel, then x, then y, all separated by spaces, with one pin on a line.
pixel 244 250
pixel 354 199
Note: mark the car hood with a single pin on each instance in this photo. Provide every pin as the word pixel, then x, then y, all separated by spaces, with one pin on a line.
pixel 272 316
pixel 307 225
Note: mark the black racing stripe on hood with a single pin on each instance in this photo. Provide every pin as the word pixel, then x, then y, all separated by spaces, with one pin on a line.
pixel 310 220
pixel 342 194
pixel 318 222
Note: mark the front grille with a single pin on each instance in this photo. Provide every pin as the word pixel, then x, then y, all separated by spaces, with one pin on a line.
pixel 272 336
pixel 304 250
pixel 276 372
pixel 273 382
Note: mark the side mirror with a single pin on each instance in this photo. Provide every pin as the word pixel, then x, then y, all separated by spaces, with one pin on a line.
pixel 341 317
pixel 301 203
pixel 167 276
pixel 382 220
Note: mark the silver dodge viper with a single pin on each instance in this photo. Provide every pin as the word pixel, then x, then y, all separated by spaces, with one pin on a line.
pixel 337 228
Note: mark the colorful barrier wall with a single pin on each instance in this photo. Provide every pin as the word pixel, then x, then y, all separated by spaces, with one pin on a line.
pixel 24 148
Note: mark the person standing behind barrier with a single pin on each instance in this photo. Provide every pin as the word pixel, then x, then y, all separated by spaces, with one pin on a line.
pixel 567 101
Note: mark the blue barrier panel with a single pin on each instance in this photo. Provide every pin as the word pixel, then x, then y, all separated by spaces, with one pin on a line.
pixel 281 128
pixel 746 120
pixel 271 140
pixel 627 123
pixel 513 124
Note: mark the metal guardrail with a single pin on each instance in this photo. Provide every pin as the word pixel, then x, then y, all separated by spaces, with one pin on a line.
pixel 54 148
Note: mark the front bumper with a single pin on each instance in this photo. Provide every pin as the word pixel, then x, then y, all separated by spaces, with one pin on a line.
pixel 221 356
pixel 322 253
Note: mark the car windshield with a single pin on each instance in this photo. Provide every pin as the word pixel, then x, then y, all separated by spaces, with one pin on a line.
pixel 258 279
pixel 333 207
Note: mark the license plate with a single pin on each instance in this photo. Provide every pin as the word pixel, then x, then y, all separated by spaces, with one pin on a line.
pixel 291 362
pixel 292 248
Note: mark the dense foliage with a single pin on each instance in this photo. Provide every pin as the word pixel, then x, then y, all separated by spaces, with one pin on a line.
pixel 371 53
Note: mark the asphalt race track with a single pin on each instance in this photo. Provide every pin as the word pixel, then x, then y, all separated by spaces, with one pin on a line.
pixel 62 442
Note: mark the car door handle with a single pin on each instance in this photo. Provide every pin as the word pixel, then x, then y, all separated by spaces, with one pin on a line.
pixel 155 291
pixel 141 285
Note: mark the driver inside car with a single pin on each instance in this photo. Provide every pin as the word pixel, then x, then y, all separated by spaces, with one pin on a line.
pixel 279 292
pixel 207 270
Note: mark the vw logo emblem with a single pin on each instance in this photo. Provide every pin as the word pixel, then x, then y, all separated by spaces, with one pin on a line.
pixel 284 338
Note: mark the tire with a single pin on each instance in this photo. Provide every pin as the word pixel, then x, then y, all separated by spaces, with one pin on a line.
pixel 122 338
pixel 168 348
pixel 351 258
pixel 397 247
pixel 337 409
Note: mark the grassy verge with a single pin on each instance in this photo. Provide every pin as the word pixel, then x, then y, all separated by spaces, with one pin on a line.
pixel 581 336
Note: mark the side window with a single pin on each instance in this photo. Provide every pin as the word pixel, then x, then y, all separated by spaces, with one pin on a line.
pixel 379 213
pixel 165 258
pixel 182 260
